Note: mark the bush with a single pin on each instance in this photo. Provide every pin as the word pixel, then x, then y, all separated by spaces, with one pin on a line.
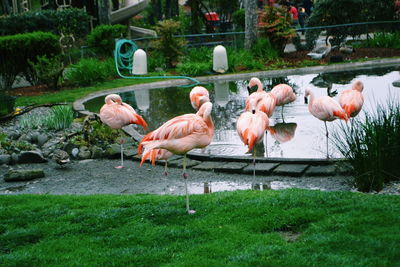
pixel 238 18
pixel 239 60
pixel 194 68
pixel 89 71
pixel 167 45
pixel 17 50
pixel 372 147
pixel 48 70
pixel 61 117
pixel 382 39
pixel 6 104
pixel 71 20
pixel 102 38
pixel 264 50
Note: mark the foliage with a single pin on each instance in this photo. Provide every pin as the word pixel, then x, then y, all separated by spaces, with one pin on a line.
pixel 276 25
pixel 102 38
pixel 12 146
pixel 17 50
pixel 372 147
pixel 89 71
pixel 238 18
pixel 333 12
pixel 102 132
pixel 60 118
pixel 6 104
pixel 194 68
pixel 71 20
pixel 156 62
pixel 242 228
pixel 48 70
pixel 382 39
pixel 29 122
pixel 264 50
pixel 167 45
pixel 239 60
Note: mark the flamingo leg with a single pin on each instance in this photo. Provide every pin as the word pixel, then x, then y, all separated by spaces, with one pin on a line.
pixel 265 143
pixel 283 119
pixel 122 158
pixel 254 163
pixel 326 129
pixel 166 168
pixel 185 176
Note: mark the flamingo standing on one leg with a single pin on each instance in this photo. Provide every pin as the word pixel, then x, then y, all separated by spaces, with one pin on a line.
pixel 264 101
pixel 198 96
pixel 118 114
pixel 182 134
pixel 284 95
pixel 352 100
pixel 251 127
pixel 326 109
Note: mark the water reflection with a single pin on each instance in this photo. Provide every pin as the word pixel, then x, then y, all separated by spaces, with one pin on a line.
pixel 303 136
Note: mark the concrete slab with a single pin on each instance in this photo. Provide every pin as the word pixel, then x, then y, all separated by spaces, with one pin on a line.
pixel 178 163
pixel 344 168
pixel 295 170
pixel 329 170
pixel 231 167
pixel 207 166
pixel 261 168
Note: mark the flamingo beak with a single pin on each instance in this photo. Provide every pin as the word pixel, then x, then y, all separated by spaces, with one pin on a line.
pixel 305 100
pixel 253 111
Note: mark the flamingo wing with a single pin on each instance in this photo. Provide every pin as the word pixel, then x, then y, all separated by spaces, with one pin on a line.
pixel 251 127
pixel 351 101
pixel 284 94
pixel 327 109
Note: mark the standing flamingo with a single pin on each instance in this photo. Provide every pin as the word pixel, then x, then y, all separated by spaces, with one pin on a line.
pixel 251 127
pixel 198 96
pixel 326 109
pixel 118 114
pixel 284 95
pixel 265 102
pixel 352 100
pixel 182 134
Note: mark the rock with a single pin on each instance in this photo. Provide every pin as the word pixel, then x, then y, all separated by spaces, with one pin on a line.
pixel 33 137
pixel 14 158
pixel 23 175
pixel 5 159
pixel 396 83
pixel 97 152
pixel 69 147
pixel 130 152
pixel 113 151
pixel 84 153
pixel 42 139
pixel 31 157
pixel 14 135
pixel 75 152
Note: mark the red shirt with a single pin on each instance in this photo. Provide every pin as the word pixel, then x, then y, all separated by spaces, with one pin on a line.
pixel 293 12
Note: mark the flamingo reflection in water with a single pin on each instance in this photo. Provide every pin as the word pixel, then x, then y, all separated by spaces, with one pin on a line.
pixel 284 95
pixel 282 133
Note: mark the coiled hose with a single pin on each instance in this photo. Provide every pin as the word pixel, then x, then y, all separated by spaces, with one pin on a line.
pixel 124 61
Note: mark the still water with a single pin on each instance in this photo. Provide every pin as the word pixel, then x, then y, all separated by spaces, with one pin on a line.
pixel 298 133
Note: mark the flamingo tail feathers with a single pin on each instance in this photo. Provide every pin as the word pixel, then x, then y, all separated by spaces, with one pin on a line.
pixel 140 121
pixel 149 154
pixel 349 109
pixel 341 114
pixel 251 141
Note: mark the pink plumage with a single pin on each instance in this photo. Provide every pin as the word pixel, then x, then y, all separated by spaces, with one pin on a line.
pixel 263 101
pixel 284 94
pixel 251 127
pixel 118 114
pixel 352 100
pixel 198 96
pixel 325 108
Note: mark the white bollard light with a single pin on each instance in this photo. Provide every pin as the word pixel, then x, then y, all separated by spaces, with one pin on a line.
pixel 142 97
pixel 221 93
pixel 220 59
pixel 139 62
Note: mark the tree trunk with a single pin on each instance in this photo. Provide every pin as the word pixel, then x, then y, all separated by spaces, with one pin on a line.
pixel 250 7
pixel 104 12
pixel 195 14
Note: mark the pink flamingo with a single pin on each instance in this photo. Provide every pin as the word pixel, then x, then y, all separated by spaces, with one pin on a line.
pixel 352 100
pixel 265 102
pixel 283 132
pixel 284 95
pixel 251 127
pixel 326 109
pixel 198 96
pixel 182 134
pixel 118 114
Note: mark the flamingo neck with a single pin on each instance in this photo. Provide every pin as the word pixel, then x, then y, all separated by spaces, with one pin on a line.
pixel 259 86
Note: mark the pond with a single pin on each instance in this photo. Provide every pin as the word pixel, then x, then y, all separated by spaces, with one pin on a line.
pixel 298 133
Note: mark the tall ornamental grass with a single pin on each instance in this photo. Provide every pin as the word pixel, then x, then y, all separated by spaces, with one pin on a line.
pixel 372 147
pixel 61 117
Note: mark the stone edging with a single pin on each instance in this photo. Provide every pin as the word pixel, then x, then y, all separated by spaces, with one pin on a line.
pixel 241 164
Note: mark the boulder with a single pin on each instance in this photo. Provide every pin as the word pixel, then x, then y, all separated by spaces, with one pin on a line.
pixel 23 175
pixel 97 152
pixel 5 159
pixel 31 157
pixel 113 151
pixel 42 139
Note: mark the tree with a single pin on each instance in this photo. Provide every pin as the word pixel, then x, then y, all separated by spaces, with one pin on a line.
pixel 250 7
pixel 104 14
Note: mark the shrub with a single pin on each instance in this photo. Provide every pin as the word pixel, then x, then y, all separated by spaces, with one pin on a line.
pixel 372 147
pixel 6 104
pixel 48 70
pixel 264 50
pixel 17 50
pixel 71 20
pixel 382 39
pixel 102 38
pixel 60 118
pixel 194 68
pixel 167 45
pixel 90 71
pixel 239 60
pixel 238 18
pixel 276 25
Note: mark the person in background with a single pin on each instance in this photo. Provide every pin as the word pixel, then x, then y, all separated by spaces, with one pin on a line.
pixel 302 18
pixel 294 14
pixel 308 4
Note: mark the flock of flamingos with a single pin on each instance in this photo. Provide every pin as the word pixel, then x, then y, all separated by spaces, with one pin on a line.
pixel 183 133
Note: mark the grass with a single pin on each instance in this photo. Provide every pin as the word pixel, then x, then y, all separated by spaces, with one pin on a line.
pixel 243 228
pixel 70 95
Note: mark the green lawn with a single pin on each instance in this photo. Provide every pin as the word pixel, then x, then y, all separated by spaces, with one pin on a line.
pixel 243 228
